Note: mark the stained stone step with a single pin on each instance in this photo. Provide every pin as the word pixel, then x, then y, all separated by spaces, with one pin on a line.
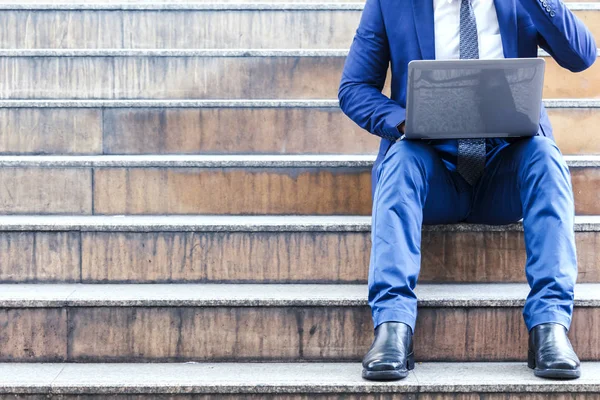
pixel 206 74
pixel 225 127
pixel 285 381
pixel 195 25
pixel 219 322
pixel 285 249
pixel 214 184
pixel 289 381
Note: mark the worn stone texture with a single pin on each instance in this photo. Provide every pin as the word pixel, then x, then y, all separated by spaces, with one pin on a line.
pixel 248 191
pixel 587 197
pixel 257 257
pixel 232 191
pixel 45 191
pixel 558 81
pixel 50 130
pixel 33 335
pixel 301 333
pixel 234 130
pixel 155 77
pixel 307 257
pixel 283 131
pixel 224 380
pixel 178 29
pixel 137 334
pixel 39 257
pixel 224 130
pixel 236 191
pixel 574 129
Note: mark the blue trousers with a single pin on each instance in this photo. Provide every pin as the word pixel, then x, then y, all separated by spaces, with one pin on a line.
pixel 528 179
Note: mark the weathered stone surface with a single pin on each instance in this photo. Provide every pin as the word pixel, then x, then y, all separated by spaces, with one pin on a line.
pixel 284 130
pixel 50 131
pixel 319 191
pixel 306 26
pixel 234 130
pixel 574 130
pixel 178 29
pixel 307 257
pixel 40 257
pixel 323 249
pixel 45 191
pixel 156 257
pixel 137 334
pixel 33 335
pixel 587 199
pixel 209 77
pixel 308 333
pixel 294 381
pixel 232 191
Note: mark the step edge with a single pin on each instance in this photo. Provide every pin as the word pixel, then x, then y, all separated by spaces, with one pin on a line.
pixel 215 6
pixel 189 6
pixel 229 224
pixel 233 53
pixel 70 378
pixel 482 295
pixel 237 103
pixel 210 161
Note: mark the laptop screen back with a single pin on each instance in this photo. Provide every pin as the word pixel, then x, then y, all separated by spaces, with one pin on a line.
pixel 474 98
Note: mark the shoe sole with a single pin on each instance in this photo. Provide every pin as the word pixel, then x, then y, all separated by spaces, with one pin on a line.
pixel 390 375
pixel 552 373
pixel 557 373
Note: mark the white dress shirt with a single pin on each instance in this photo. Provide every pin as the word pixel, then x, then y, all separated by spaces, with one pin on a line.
pixel 447 29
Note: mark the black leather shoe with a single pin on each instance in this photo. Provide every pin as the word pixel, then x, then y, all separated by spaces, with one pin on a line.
pixel 551 354
pixel 391 354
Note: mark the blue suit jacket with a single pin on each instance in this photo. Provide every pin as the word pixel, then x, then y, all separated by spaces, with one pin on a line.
pixel 399 31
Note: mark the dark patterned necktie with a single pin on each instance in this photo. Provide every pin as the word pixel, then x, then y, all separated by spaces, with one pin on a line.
pixel 471 152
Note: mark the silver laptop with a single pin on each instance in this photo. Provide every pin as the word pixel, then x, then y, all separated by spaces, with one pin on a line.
pixel 474 98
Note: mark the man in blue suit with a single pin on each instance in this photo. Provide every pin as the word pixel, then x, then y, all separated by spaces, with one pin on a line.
pixel 493 181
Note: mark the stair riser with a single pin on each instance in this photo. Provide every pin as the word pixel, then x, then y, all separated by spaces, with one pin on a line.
pixel 262 257
pixel 293 130
pixel 179 29
pixel 125 334
pixel 291 77
pixel 325 29
pixel 322 191
pixel 316 396
pixel 225 130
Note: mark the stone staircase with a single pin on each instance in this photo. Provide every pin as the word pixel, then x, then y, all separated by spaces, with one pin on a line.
pixel 185 211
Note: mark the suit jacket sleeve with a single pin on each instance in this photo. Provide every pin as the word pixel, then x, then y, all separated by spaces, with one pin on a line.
pixel 364 76
pixel 562 34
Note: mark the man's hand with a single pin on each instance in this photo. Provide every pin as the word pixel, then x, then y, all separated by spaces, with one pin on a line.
pixel 401 128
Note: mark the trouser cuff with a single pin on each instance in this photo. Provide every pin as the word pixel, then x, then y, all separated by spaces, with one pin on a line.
pixel 549 317
pixel 381 316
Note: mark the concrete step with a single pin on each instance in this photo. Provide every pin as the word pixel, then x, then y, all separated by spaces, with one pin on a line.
pixel 218 322
pixel 206 74
pixel 195 25
pixel 286 249
pixel 225 126
pixel 220 184
pixel 288 381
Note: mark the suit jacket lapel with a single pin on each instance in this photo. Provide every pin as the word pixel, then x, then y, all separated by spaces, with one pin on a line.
pixel 507 20
pixel 423 14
